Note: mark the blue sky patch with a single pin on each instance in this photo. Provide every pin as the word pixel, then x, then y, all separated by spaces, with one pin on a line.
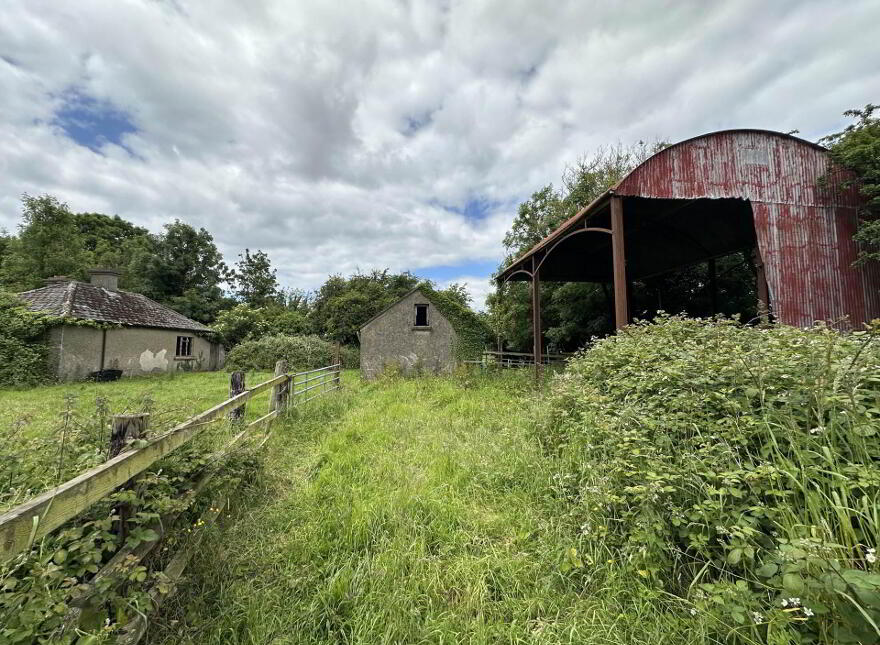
pixel 450 272
pixel 474 209
pixel 91 122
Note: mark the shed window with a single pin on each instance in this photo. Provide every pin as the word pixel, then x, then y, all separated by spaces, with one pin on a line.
pixel 421 315
pixel 184 346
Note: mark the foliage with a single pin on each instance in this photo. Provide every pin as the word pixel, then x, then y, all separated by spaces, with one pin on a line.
pixel 254 279
pixel 472 331
pixel 48 243
pixel 40 590
pixel 734 467
pixel 300 352
pixel 116 243
pixel 185 271
pixel 342 305
pixel 857 148
pixel 243 322
pixel 23 352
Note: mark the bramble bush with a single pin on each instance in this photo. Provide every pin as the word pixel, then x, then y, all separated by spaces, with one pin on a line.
pixel 51 595
pixel 300 352
pixel 733 467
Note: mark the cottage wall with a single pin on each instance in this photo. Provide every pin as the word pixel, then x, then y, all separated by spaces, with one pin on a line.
pixel 392 339
pixel 76 351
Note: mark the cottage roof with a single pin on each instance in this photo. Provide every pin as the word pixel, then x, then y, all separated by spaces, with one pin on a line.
pixel 90 302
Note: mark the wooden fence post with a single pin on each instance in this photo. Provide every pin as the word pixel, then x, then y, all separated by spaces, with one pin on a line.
pixel 236 387
pixel 278 394
pixel 125 428
pixel 338 361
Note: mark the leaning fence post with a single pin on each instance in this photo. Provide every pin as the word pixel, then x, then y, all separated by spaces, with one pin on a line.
pixel 125 428
pixel 278 394
pixel 236 387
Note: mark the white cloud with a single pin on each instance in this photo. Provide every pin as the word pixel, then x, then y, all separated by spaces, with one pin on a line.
pixel 331 135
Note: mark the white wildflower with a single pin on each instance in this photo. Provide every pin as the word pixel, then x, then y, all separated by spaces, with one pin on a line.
pixel 808 612
pixel 693 611
pixel 817 430
pixel 784 602
pixel 758 618
pixel 871 555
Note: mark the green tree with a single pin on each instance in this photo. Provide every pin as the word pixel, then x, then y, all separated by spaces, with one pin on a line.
pixel 185 271
pixel 343 305
pixel 857 148
pixel 254 279
pixel 111 241
pixel 458 293
pixel 48 243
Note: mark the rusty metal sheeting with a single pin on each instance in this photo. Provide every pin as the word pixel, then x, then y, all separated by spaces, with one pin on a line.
pixel 804 231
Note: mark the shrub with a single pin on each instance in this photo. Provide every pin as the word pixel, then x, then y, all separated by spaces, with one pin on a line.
pixel 732 466
pixel 243 322
pixel 301 353
pixel 23 352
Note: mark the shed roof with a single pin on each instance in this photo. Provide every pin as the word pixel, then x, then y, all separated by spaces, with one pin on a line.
pixel 465 316
pixel 89 302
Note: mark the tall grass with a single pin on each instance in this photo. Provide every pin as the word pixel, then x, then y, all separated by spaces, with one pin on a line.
pixel 415 511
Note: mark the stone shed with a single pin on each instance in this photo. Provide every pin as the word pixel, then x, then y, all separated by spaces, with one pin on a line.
pixel 139 336
pixel 422 332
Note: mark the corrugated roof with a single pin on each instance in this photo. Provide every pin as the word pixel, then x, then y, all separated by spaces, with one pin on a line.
pixel 89 302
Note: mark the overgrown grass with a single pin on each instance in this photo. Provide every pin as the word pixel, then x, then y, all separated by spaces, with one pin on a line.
pixel 52 433
pixel 415 511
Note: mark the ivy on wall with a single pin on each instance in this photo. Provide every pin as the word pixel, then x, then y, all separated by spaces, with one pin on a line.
pixel 473 333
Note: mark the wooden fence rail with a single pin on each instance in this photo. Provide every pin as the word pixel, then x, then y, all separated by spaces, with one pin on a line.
pixel 21 526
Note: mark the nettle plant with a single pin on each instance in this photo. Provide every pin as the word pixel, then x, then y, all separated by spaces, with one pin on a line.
pixel 51 594
pixel 734 467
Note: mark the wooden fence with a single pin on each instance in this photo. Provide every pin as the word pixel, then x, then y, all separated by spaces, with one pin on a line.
pixel 23 525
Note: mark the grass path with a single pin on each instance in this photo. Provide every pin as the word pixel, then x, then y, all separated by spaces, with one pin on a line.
pixel 416 511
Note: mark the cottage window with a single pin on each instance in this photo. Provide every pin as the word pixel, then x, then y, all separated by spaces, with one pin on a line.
pixel 184 346
pixel 421 315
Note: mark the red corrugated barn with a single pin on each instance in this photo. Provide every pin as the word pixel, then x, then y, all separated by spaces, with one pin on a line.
pixel 711 196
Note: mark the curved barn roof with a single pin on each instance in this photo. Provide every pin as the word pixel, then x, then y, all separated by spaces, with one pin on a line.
pixel 717 193
pixel 698 177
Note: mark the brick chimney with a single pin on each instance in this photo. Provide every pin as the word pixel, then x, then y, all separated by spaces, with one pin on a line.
pixel 106 278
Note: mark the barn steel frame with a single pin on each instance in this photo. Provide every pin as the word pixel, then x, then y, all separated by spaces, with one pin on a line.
pixel 705 198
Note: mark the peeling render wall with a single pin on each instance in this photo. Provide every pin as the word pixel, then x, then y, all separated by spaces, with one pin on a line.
pixel 391 339
pixel 76 351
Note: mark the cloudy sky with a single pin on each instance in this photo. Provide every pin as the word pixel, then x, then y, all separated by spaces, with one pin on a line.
pixel 344 135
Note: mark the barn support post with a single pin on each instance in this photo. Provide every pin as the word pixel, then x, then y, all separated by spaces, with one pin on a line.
pixel 761 287
pixel 536 319
pixel 621 305
pixel 713 285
